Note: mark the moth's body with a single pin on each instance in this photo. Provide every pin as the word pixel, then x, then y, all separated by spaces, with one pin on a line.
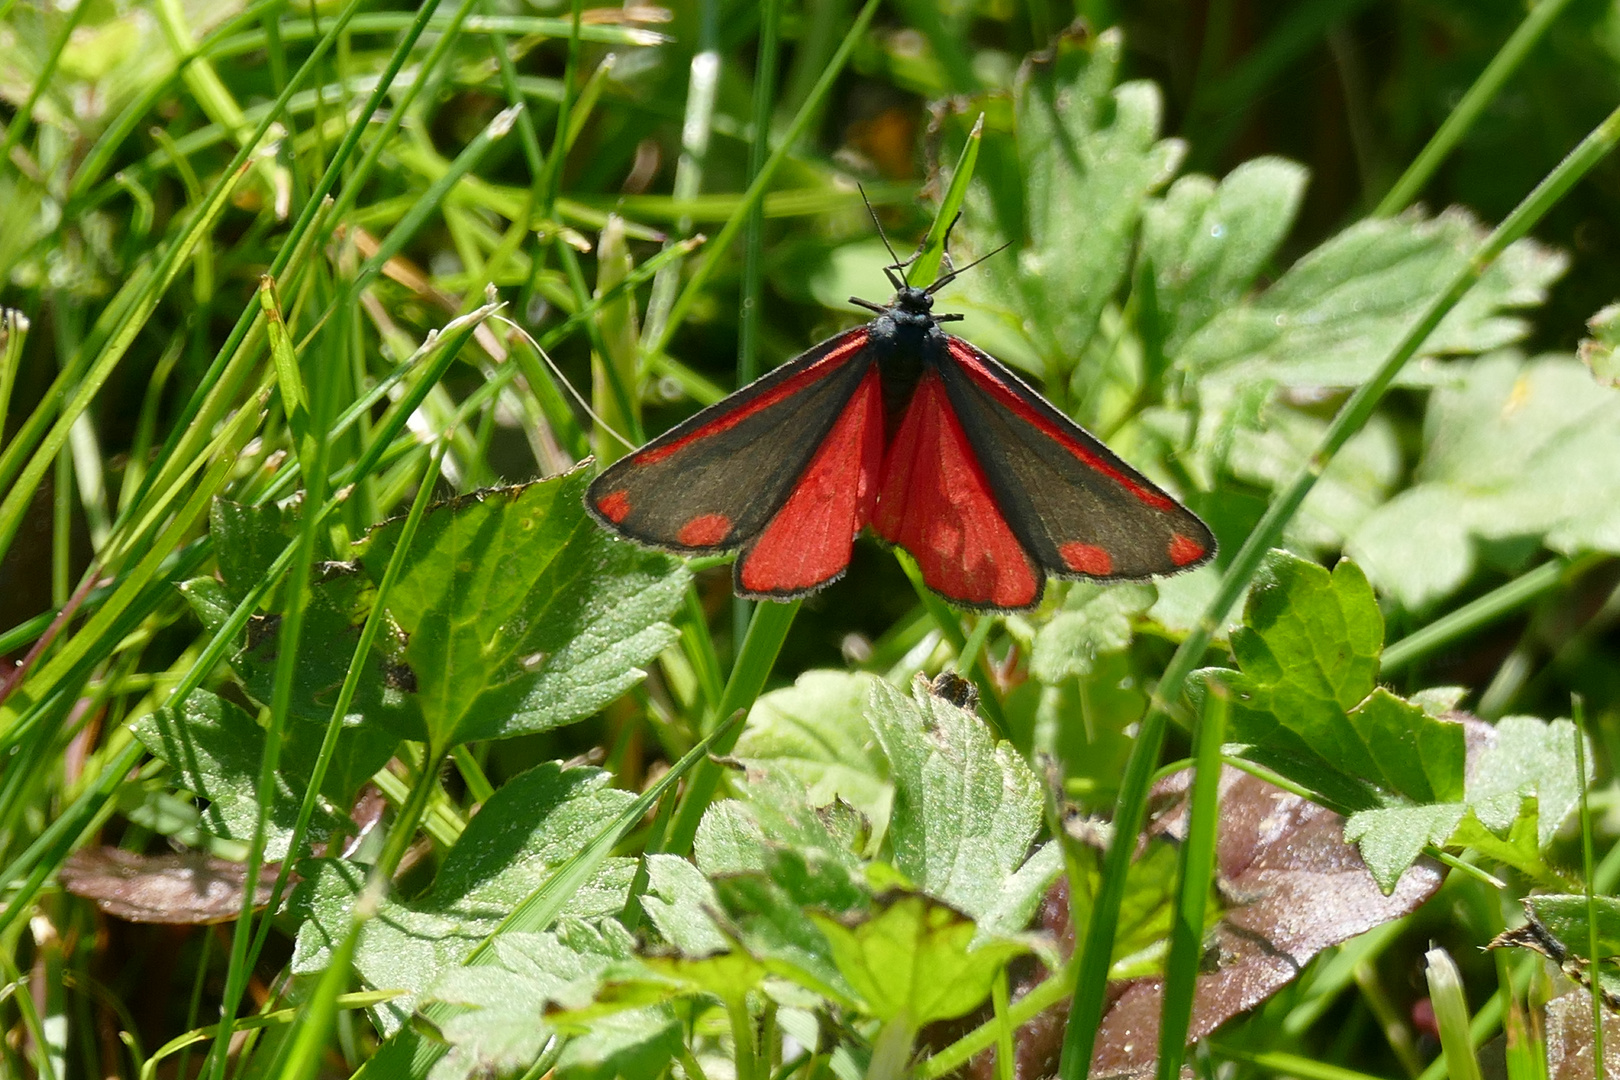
pixel 899 426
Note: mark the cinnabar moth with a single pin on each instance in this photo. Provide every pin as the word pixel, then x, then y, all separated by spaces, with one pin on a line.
pixel 932 443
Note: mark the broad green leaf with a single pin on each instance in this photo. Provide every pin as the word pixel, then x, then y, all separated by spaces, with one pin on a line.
pixel 247 540
pixel 1338 311
pixel 1527 758
pixel 384 709
pixel 966 806
pixel 500 1024
pixel 215 748
pixel 816 731
pixel 1305 701
pixel 1021 894
pixel 1206 242
pixel 1094 619
pixel 1516 452
pixel 530 826
pixel 911 962
pixel 521 614
pixel 1521 788
pixel 679 901
pixel 729 840
pixel 1598 351
pixel 1091 155
pixel 776 928
pixel 638 1043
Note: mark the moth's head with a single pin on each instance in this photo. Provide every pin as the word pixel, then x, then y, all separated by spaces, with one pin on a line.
pixel 913 301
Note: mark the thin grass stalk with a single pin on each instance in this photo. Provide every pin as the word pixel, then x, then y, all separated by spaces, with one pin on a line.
pixel 551 178
pixel 20 119
pixel 24 481
pixel 924 269
pixel 1471 107
pixel 703 78
pixel 1486 609
pixel 98 630
pixel 1193 878
pixel 1092 974
pixel 14 327
pixel 766 632
pixel 756 190
pixel 107 145
pixel 312 452
pixel 316 206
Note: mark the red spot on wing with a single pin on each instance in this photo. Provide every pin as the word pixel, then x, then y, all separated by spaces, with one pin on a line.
pixel 936 503
pixel 1184 550
pixel 1087 559
pixel 614 506
pixel 856 340
pixel 705 530
pixel 807 543
pixel 988 381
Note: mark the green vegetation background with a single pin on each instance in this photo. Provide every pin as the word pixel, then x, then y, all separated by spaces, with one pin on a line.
pixel 1225 218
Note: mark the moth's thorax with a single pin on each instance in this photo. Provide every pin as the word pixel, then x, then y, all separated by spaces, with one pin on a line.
pixel 906 339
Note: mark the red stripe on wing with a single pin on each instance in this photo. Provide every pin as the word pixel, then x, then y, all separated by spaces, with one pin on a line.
pixel 808 542
pixel 786 388
pixel 936 503
pixel 993 385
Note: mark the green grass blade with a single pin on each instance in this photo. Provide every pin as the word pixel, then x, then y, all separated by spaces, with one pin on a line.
pixel 13 333
pixel 20 119
pixel 728 232
pixel 1485 610
pixel 766 632
pixel 1461 119
pixel 1196 873
pixel 1091 987
pixel 924 269
pixel 23 482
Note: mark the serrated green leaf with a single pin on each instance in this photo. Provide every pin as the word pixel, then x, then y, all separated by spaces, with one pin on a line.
pixel 247 540
pixel 531 825
pixel 679 901
pixel 816 731
pixel 1094 619
pixel 912 962
pixel 1519 791
pixel 215 749
pixel 1305 700
pixel 1338 311
pixel 729 840
pixel 1091 155
pixel 500 1024
pixel 521 613
pixel 1207 242
pixel 966 806
pixel 638 1043
pixel 1390 840
pixel 1513 450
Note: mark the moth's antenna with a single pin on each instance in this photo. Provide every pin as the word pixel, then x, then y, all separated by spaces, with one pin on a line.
pixel 895 265
pixel 951 276
pixel 563 379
